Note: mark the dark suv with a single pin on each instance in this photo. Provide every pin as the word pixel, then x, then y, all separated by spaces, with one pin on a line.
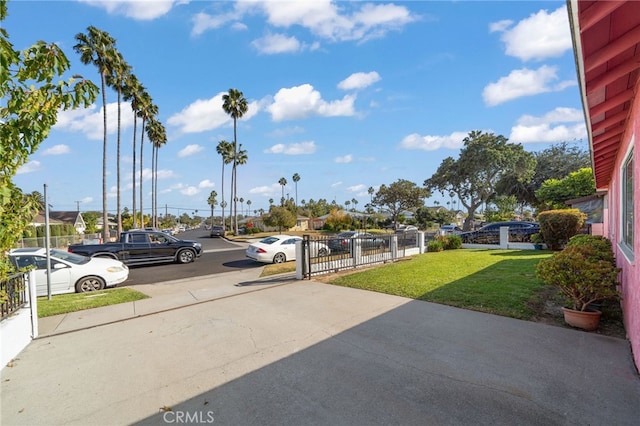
pixel 217 231
pixel 519 232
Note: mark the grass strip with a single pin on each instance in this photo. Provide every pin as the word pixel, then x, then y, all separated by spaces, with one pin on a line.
pixel 65 303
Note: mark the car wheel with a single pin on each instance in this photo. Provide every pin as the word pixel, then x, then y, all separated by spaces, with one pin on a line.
pixel 186 256
pixel 89 284
pixel 279 258
pixel 323 252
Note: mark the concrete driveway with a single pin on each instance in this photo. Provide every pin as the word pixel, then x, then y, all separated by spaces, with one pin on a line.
pixel 307 353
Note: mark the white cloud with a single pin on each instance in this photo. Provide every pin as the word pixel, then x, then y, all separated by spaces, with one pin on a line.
pixel 292 149
pixel 325 19
pixel 359 80
pixel 550 128
pixel 189 191
pixel 29 167
pixel 523 82
pixel 190 150
pixel 206 114
pixel 86 200
pixel 336 184
pixel 357 188
pixel 137 9
pixel 57 150
pixel 266 191
pixel 344 159
pixel 205 184
pixel 277 43
pixel 540 36
pixel 89 121
pixel 432 143
pixel 303 101
pixel 203 22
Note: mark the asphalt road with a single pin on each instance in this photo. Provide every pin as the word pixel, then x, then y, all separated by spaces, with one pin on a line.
pixel 219 256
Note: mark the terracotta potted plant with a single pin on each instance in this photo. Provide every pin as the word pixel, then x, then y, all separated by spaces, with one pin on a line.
pixel 584 275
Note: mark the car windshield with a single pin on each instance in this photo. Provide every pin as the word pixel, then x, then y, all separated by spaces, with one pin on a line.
pixel 69 257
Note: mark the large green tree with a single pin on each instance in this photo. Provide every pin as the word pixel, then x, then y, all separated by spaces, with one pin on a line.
pixel 97 47
pixel 554 192
pixel 235 104
pixel 555 162
pixel 400 196
pixel 484 160
pixel 280 217
pixel 32 92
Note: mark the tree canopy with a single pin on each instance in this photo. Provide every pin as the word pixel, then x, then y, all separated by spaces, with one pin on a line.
pixel 400 196
pixel 33 94
pixel 280 217
pixel 554 192
pixel 555 162
pixel 484 160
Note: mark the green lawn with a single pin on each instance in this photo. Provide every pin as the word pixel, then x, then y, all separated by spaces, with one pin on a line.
pixel 65 303
pixel 501 282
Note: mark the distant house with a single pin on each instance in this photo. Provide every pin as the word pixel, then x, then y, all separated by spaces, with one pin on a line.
pixel 606 41
pixel 70 217
pixel 593 207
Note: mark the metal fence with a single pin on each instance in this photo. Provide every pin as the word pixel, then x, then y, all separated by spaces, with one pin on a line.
pixel 13 295
pixel 332 253
pixel 57 241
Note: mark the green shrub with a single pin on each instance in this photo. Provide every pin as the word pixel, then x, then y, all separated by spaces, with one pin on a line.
pixel 580 276
pixel 558 226
pixel 452 242
pixel 601 245
pixel 435 245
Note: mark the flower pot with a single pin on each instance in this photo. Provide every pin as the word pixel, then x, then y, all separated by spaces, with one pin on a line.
pixel 586 320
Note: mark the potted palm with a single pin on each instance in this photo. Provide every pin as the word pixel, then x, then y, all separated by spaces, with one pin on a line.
pixel 584 276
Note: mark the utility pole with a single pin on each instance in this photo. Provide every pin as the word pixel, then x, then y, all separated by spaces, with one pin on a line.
pixel 78 204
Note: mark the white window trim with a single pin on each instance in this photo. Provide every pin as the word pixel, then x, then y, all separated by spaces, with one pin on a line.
pixel 625 249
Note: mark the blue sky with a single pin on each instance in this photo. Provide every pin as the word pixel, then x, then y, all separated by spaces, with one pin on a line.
pixel 349 95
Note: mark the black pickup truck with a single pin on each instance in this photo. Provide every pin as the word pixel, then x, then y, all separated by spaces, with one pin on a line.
pixel 143 247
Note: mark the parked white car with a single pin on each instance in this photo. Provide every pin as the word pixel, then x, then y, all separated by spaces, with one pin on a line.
pixel 70 272
pixel 282 248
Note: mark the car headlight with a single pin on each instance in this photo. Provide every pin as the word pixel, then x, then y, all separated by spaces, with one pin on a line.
pixel 115 269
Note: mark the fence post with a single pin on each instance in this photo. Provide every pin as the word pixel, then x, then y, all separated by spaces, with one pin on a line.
pixel 504 237
pixel 421 246
pixel 33 303
pixel 300 260
pixel 394 247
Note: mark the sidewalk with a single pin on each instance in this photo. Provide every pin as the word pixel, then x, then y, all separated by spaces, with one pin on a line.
pixel 163 297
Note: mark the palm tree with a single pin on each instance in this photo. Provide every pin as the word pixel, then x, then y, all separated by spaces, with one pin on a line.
pixel 296 179
pixel 117 79
pixel 355 204
pixel 270 202
pixel 212 202
pixel 147 111
pixel 241 158
pixel 347 204
pixel 157 135
pixel 133 92
pixel 249 207
pixel 97 48
pixel 283 183
pixel 234 104
pixel 225 149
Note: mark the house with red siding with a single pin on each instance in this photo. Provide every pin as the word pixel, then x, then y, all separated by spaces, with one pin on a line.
pixel 606 41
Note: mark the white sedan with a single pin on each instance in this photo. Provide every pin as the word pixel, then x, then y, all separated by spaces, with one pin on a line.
pixel 70 272
pixel 282 248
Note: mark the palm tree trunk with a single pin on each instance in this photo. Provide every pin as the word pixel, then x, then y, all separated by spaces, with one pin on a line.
pixel 141 169
pixel 222 185
pixel 133 180
pixel 119 214
pixel 105 218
